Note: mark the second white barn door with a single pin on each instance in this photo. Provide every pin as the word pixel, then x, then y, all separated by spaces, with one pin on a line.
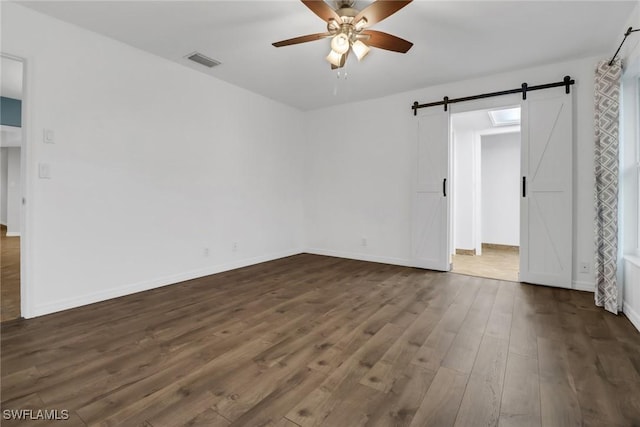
pixel 546 189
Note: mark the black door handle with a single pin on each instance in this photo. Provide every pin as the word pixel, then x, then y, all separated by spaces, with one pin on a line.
pixel 444 187
pixel 524 186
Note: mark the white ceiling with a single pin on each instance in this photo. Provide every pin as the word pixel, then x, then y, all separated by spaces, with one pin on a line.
pixel 10 78
pixel 453 40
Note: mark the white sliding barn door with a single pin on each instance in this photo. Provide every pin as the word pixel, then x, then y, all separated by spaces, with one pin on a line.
pixel 546 199
pixel 430 224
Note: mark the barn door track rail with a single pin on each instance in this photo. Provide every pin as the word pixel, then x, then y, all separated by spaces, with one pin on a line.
pixel 523 89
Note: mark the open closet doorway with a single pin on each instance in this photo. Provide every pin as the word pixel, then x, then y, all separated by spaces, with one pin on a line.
pixel 486 171
pixel 11 186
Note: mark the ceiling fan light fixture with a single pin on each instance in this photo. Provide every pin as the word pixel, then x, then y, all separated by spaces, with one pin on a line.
pixel 360 24
pixel 340 43
pixel 360 49
pixel 334 58
pixel 333 25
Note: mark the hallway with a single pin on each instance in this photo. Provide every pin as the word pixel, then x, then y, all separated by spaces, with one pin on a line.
pixel 496 262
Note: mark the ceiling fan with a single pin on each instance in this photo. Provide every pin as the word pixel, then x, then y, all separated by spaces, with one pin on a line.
pixel 348 29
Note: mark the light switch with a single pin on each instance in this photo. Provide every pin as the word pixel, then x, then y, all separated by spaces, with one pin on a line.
pixel 49 137
pixel 44 170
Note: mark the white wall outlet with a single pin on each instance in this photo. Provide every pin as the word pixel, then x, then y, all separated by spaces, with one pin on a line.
pixel 585 267
pixel 234 247
pixel 49 136
pixel 44 171
pixel 205 252
pixel 363 242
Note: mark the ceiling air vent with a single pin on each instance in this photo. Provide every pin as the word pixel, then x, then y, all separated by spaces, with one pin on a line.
pixel 203 60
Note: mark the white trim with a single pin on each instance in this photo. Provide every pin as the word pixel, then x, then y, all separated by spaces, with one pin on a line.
pixel 633 259
pixel 67 303
pixel 360 257
pixel 26 287
pixel 632 315
pixel 13 234
pixel 580 285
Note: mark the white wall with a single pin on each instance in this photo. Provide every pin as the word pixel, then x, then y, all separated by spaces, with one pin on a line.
pixel 500 167
pixel 4 179
pixel 463 189
pixel 14 192
pixel 359 179
pixel 152 163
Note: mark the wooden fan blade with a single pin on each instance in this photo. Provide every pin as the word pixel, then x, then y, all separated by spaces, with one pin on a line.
pixel 380 10
pixel 322 9
pixel 302 39
pixel 343 60
pixel 386 41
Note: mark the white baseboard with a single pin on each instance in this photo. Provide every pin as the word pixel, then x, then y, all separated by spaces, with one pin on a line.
pixel 68 303
pixel 632 315
pixel 13 234
pixel 360 256
pixel 580 285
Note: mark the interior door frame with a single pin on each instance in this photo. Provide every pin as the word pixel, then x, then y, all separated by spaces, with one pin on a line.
pixel 485 104
pixel 26 287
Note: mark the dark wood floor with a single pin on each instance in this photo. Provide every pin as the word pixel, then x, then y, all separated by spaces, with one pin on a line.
pixel 311 340
pixel 9 276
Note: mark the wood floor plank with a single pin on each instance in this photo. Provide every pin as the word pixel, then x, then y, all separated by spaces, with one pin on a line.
pixel 430 355
pixel 191 404
pixel 559 403
pixel 523 339
pixel 481 400
pixel 392 303
pixel 282 422
pixel 271 408
pixel 463 350
pixel 442 401
pixel 207 418
pixel 119 406
pixel 315 407
pixel 398 407
pixel 298 340
pixel 353 407
pixel 500 319
pixel 393 363
pixel 520 404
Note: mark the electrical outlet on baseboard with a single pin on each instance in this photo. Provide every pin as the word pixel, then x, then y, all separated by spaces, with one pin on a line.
pixel 585 267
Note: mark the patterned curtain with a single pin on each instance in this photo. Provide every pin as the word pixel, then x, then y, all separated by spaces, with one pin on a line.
pixel 607 107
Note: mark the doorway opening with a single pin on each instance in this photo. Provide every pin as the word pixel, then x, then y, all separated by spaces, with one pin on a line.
pixel 486 165
pixel 11 185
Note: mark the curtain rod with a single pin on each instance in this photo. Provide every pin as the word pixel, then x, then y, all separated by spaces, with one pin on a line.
pixel 629 31
pixel 524 88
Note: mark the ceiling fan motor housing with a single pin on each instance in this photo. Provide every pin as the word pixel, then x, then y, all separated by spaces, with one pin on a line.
pixel 347 26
